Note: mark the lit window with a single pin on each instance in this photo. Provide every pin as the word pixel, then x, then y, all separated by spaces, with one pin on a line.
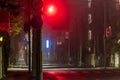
pixel 118 41
pixel 89 3
pixel 89 34
pixel 89 18
pixel 1 39
pixel 117 4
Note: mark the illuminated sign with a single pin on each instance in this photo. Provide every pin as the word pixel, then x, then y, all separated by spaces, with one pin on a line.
pixel 47 44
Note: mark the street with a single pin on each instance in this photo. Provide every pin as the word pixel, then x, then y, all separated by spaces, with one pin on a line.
pixel 68 75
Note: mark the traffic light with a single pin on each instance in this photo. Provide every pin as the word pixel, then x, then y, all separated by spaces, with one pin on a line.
pixel 51 10
pixel 108 31
pixel 55 14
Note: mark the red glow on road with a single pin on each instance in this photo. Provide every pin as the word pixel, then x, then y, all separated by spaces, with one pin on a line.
pixel 63 75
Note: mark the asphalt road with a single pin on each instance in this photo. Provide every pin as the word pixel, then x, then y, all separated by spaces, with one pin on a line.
pixel 68 75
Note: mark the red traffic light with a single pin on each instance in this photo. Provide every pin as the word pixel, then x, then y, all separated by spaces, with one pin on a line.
pixel 51 10
pixel 55 13
pixel 108 32
pixel 54 10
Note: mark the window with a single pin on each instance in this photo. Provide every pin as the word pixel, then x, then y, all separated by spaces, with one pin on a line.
pixel 117 2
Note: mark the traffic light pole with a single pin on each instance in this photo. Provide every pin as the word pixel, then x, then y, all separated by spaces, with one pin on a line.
pixel 36 23
pixel 104 36
pixel 37 54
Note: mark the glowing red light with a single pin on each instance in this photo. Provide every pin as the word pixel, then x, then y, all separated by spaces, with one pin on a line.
pixel 51 10
pixel 108 32
pixel 55 13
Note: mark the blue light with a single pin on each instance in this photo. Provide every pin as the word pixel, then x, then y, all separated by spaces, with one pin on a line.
pixel 25 40
pixel 47 44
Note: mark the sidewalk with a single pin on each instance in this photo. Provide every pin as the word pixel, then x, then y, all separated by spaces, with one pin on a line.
pixel 18 75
